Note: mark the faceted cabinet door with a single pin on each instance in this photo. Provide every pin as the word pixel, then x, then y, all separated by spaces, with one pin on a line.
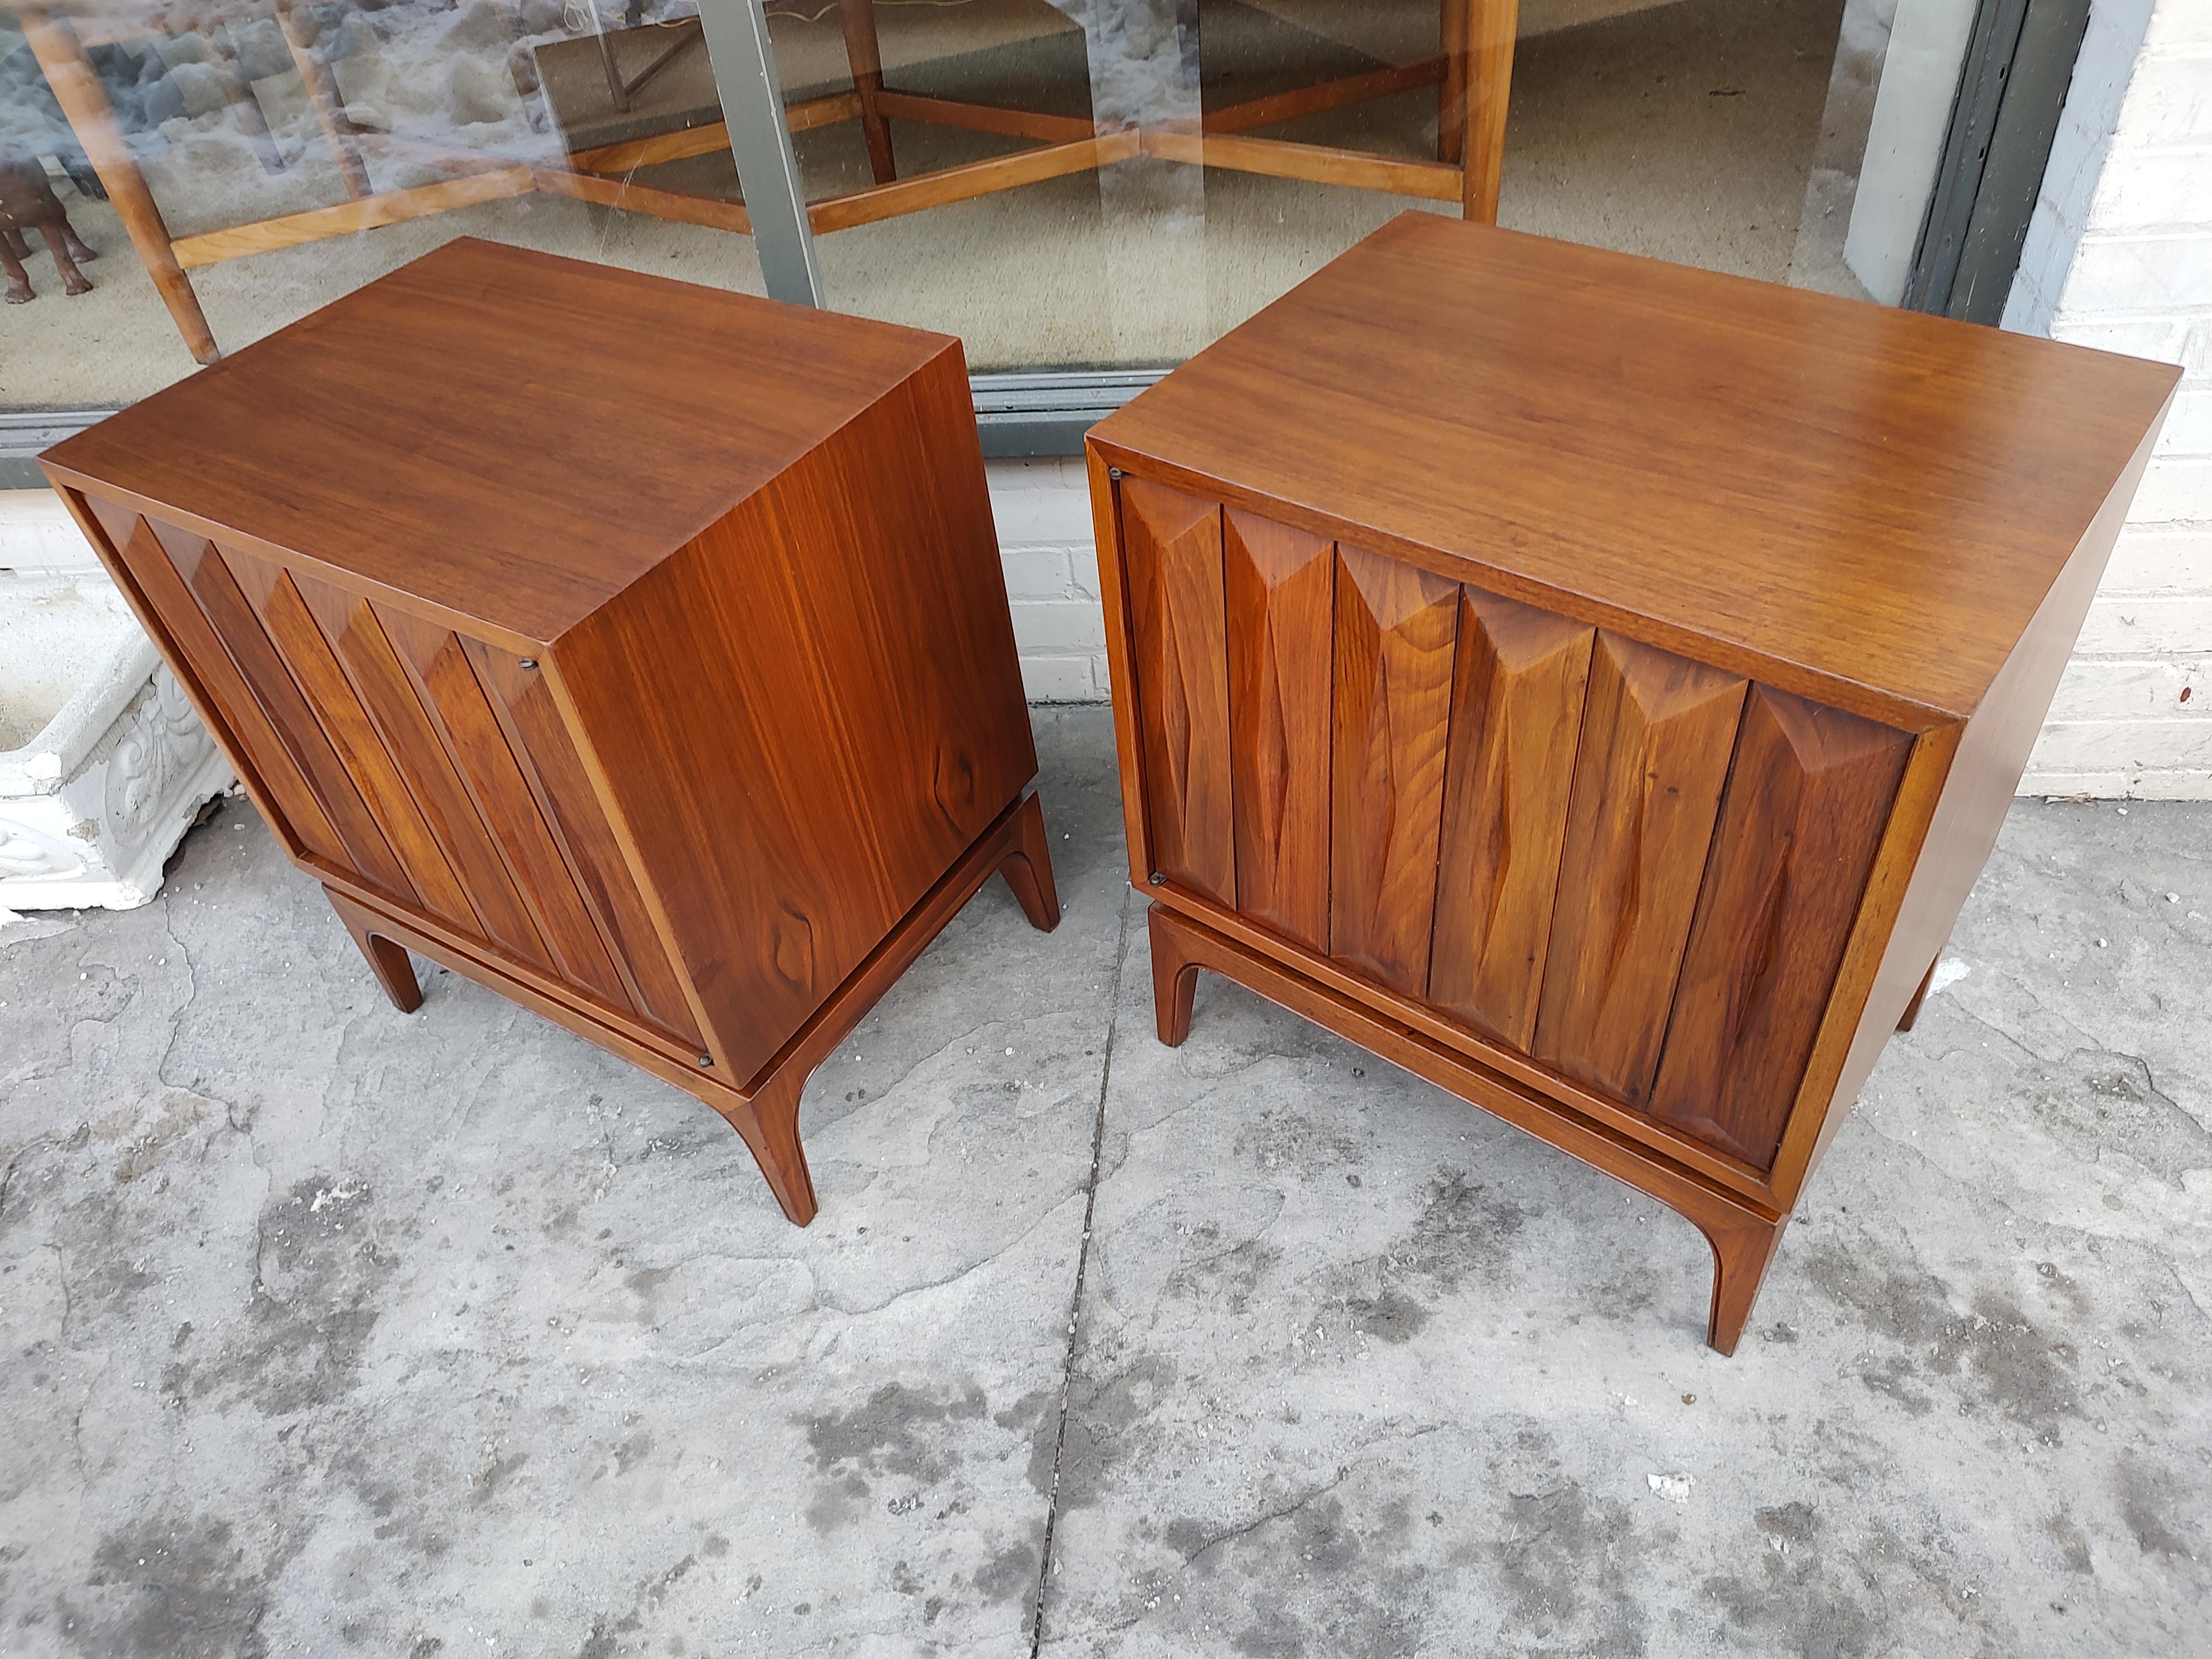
pixel 1636 871
pixel 431 768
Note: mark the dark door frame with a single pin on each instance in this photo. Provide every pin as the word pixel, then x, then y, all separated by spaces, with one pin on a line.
pixel 2012 93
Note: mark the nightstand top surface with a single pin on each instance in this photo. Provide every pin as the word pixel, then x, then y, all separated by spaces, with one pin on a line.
pixel 1880 497
pixel 509 434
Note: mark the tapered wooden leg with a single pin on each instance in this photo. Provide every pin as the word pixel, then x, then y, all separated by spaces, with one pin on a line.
pixel 1028 869
pixel 769 1120
pixel 865 53
pixel 329 107
pixel 1912 1014
pixel 77 90
pixel 1490 27
pixel 1741 1254
pixel 1175 979
pixel 1451 91
pixel 388 959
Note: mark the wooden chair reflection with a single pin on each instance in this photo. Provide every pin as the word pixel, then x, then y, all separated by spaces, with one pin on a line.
pixel 1471 72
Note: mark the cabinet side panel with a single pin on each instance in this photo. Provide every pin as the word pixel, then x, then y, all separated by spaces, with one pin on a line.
pixel 802 718
pixel 524 704
pixel 1395 626
pixel 1657 734
pixel 1280 585
pixel 258 752
pixel 1516 720
pixel 1806 800
pixel 1178 608
pixel 1973 791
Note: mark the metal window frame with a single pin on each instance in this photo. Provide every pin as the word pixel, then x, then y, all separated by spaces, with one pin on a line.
pixel 744 62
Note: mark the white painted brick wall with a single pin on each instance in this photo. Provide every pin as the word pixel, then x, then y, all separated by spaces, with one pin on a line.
pixel 1043 512
pixel 2119 257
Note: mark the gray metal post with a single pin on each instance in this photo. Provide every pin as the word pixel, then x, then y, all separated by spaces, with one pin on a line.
pixel 760 143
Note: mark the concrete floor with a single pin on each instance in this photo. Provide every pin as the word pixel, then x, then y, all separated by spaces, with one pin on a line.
pixel 332 1330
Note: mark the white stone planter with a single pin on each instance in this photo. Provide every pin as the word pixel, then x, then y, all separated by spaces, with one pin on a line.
pixel 103 764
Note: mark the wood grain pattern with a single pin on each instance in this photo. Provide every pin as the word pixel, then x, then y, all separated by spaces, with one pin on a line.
pixel 1280 587
pixel 758 759
pixel 1179 612
pixel 1516 721
pixel 454 700
pixel 1656 738
pixel 1958 786
pixel 1806 805
pixel 1761 598
pixel 524 705
pixel 872 697
pixel 142 568
pixel 202 565
pixel 360 750
pixel 1859 505
pixel 321 428
pixel 1395 627
pixel 411 738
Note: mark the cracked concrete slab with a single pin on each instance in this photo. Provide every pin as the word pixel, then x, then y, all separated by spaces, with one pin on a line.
pixel 331 1329
pixel 1362 1370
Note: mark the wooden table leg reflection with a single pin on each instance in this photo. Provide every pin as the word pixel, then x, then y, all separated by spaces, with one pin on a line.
pixel 76 88
pixel 1741 1235
pixel 328 103
pixel 1486 87
pixel 864 54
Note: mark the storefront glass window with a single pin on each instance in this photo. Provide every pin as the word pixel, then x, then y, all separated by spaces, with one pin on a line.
pixel 1102 183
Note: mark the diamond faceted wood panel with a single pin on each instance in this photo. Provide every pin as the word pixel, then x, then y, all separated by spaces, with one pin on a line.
pixel 690 740
pixel 1182 625
pixel 1658 732
pixel 1666 733
pixel 1516 721
pixel 1396 625
pixel 1280 585
pixel 1508 814
pixel 1798 829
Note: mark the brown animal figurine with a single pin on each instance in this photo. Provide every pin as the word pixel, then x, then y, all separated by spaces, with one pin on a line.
pixel 27 202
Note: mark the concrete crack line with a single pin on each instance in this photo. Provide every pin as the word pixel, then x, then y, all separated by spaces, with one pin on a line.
pixel 177 1020
pixel 1343 1474
pixel 829 1305
pixel 1082 1264
pixel 2089 1045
